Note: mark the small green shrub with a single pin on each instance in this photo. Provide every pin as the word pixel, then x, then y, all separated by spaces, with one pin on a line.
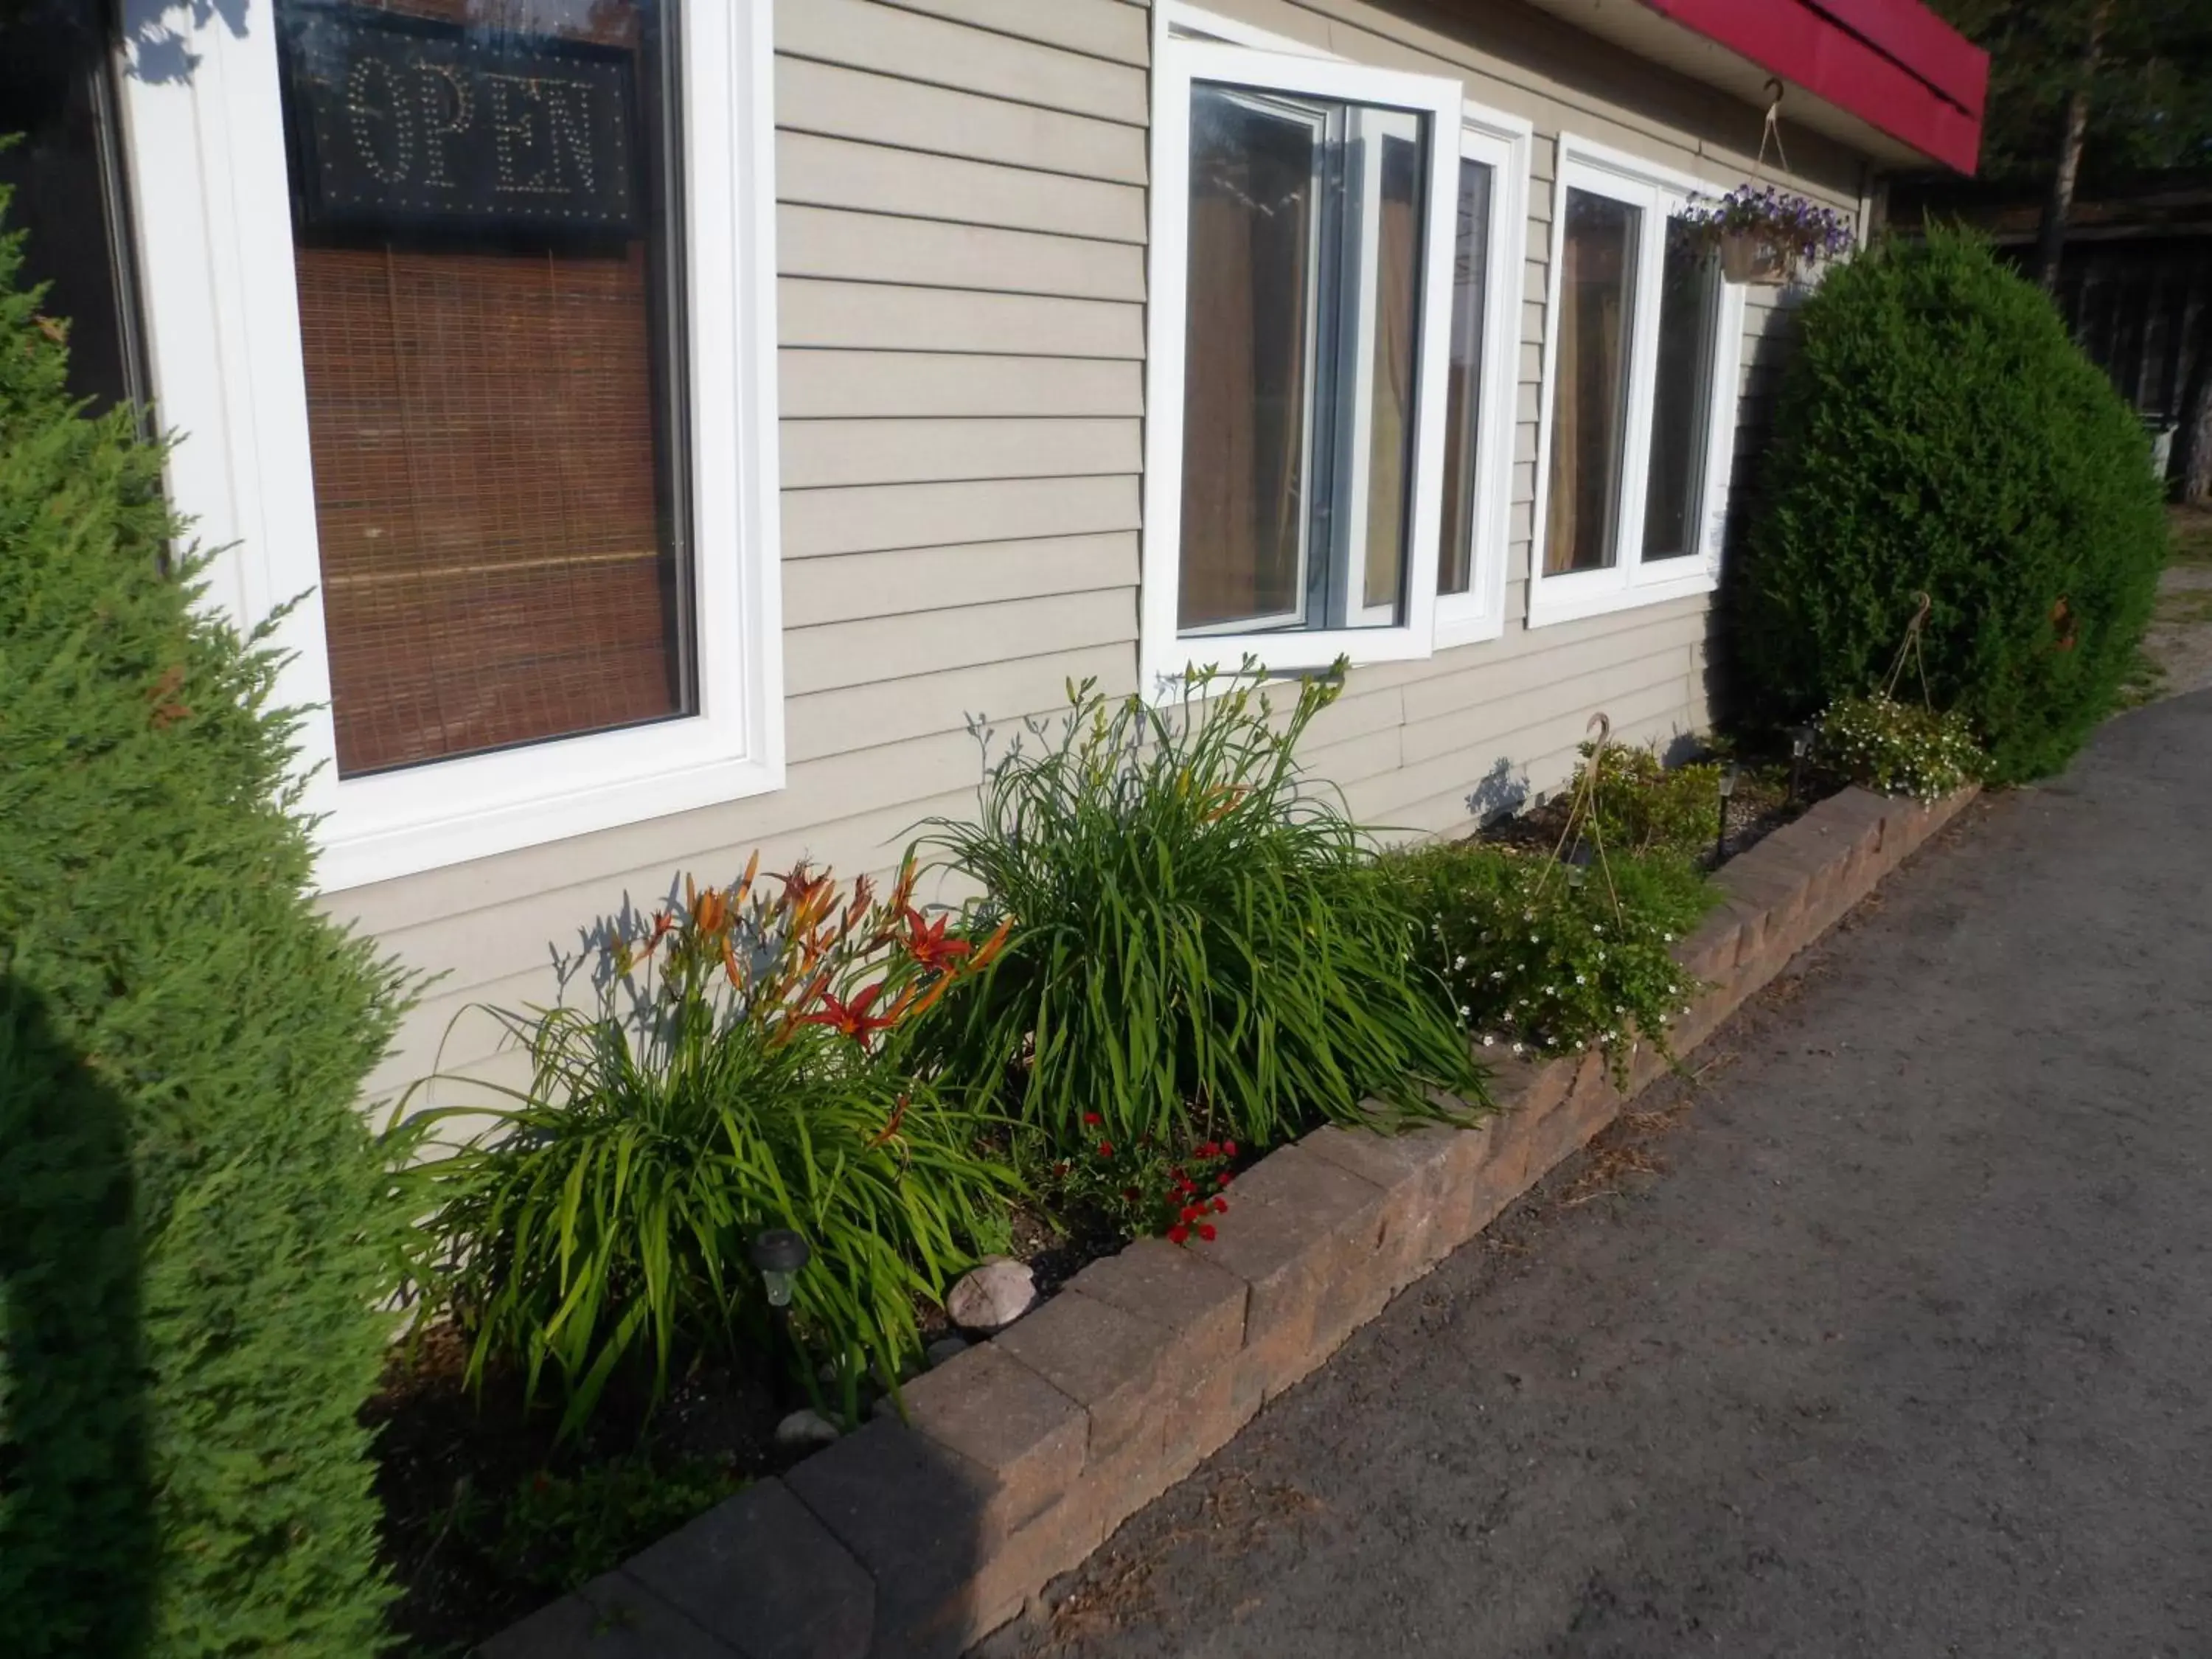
pixel 1548 959
pixel 1900 748
pixel 196 1232
pixel 557 1532
pixel 740 1072
pixel 1937 432
pixel 1201 946
pixel 1641 804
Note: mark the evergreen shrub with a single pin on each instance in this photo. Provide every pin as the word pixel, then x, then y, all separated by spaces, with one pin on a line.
pixel 1938 432
pixel 195 1231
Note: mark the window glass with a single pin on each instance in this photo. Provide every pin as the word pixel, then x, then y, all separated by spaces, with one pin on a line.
pixel 1254 173
pixel 484 211
pixel 1674 501
pixel 1301 342
pixel 1395 322
pixel 1589 394
pixel 1463 391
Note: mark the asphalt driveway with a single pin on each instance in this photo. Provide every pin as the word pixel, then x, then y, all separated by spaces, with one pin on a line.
pixel 1893 1336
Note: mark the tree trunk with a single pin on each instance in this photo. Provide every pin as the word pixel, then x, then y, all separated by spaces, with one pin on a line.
pixel 2051 242
pixel 2195 435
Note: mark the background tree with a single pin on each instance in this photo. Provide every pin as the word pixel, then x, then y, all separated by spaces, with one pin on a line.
pixel 2086 92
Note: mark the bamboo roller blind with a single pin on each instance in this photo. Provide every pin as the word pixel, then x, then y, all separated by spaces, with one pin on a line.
pixel 496 563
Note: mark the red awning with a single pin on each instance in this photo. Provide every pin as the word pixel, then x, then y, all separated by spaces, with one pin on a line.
pixel 1893 64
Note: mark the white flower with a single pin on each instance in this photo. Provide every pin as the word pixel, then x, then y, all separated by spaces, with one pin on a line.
pixel 1579 980
pixel 1488 1040
pixel 1458 962
pixel 1497 973
pixel 1516 1048
pixel 1596 928
pixel 1668 938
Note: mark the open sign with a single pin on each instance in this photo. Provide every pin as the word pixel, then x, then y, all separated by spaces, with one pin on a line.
pixel 397 121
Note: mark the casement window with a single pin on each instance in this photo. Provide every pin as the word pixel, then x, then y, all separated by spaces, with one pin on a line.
pixel 482 365
pixel 1308 215
pixel 1641 361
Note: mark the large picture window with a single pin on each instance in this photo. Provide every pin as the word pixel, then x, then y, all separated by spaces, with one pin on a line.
pixel 1304 240
pixel 480 392
pixel 1641 362
pixel 486 229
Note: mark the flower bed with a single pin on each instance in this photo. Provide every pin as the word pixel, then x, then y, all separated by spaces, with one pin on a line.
pixel 1017 1458
pixel 898 1096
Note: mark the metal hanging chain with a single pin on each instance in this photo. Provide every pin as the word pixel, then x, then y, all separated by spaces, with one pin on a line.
pixel 1911 646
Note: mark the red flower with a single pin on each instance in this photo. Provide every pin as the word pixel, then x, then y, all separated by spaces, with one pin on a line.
pixel 1177 1234
pixel 1221 1207
pixel 1105 1149
pixel 852 1018
pixel 1191 1213
pixel 1206 1232
pixel 1229 1149
pixel 926 944
pixel 1092 1117
pixel 1131 1194
pixel 1224 1181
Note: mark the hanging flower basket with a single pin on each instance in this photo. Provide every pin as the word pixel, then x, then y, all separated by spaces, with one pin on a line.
pixel 1765 235
pixel 1749 257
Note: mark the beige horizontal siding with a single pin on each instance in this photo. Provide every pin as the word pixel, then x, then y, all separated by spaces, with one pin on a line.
pixel 818 385
pixel 939 51
pixel 1111 29
pixel 962 314
pixel 904 581
pixel 817 522
pixel 871 316
pixel 869 247
pixel 873 178
pixel 1003 689
pixel 817 453
pixel 876 650
pixel 885 109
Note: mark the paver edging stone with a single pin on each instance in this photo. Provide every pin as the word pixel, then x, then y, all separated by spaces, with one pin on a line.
pixel 897 1542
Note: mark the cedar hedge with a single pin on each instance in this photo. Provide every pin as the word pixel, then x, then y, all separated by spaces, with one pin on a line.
pixel 195 1230
pixel 1938 431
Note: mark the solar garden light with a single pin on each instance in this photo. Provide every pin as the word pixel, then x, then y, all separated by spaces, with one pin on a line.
pixel 779 1254
pixel 1729 776
pixel 1579 863
pixel 1800 744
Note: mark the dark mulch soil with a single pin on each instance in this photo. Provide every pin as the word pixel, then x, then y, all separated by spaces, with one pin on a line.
pixel 1762 804
pixel 449 1469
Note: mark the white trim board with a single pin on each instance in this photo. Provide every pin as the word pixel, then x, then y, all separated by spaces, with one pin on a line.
pixel 208 158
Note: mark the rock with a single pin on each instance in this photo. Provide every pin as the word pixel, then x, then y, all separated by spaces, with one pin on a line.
pixel 805 1428
pixel 992 1297
pixel 943 1349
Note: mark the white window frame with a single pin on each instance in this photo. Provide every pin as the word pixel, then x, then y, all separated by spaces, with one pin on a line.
pixel 1503 144
pixel 208 161
pixel 1165 655
pixel 1629 582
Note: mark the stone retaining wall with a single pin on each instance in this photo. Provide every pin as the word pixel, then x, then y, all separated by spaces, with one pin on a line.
pixel 1018 1456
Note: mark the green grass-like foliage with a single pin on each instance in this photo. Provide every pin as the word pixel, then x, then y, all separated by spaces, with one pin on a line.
pixel 1639 804
pixel 1938 431
pixel 735 1073
pixel 1900 748
pixel 558 1532
pixel 1547 960
pixel 195 1229
pixel 1201 946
